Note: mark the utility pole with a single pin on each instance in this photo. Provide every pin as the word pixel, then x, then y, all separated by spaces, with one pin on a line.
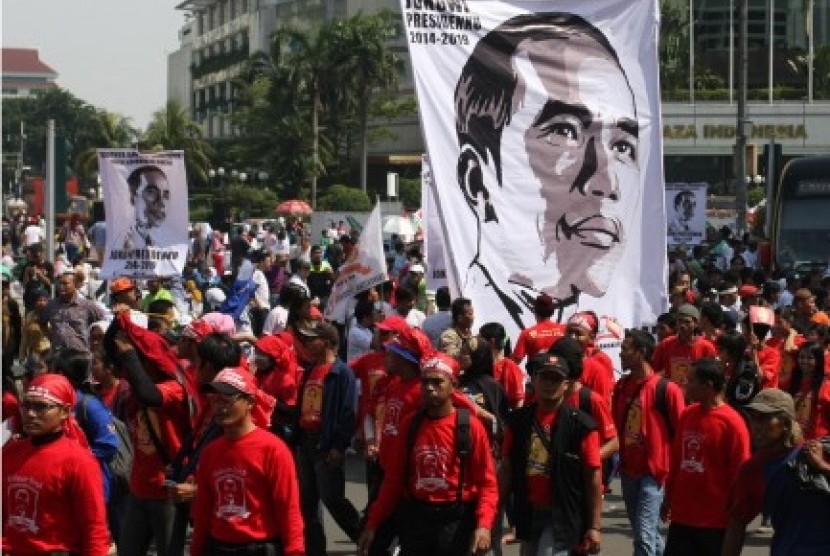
pixel 740 135
pixel 49 193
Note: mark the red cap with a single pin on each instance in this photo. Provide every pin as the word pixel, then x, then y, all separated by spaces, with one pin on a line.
pixel 234 380
pixel 121 284
pixel 411 344
pixel 747 290
pixel 395 323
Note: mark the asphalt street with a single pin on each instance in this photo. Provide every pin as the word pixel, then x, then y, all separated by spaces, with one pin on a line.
pixel 616 535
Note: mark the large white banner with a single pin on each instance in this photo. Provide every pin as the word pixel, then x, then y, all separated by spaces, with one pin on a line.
pixel 365 268
pixel 686 213
pixel 542 123
pixel 145 198
pixel 434 244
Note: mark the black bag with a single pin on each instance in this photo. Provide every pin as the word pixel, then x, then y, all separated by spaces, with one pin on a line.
pixel 121 464
pixel 806 476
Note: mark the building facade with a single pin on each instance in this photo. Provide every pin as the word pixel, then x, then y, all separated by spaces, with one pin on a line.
pixel 24 73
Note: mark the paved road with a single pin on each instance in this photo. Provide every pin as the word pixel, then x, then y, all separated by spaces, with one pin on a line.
pixel 616 536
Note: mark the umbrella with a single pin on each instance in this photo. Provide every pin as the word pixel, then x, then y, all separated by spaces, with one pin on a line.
pixel 294 207
pixel 400 225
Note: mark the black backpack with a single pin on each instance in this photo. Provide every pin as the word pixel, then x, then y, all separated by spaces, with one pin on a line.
pixel 121 464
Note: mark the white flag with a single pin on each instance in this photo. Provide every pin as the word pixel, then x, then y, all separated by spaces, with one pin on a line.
pixel 365 268
pixel 542 125
pixel 145 199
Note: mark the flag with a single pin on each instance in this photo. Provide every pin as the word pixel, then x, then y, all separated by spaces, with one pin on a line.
pixel 365 268
pixel 543 130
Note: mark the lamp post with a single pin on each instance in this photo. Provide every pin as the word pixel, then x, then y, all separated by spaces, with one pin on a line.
pixel 217 176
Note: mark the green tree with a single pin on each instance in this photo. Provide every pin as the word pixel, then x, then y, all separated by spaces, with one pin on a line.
pixel 172 129
pixel 342 197
pixel 114 131
pixel 410 192
pixel 674 48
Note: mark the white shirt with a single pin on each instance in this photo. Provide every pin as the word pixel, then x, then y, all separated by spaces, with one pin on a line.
pixel 33 234
pixel 262 295
pixel 359 342
pixel 415 318
pixel 276 320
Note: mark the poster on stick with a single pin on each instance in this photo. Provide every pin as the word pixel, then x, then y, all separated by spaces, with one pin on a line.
pixel 145 199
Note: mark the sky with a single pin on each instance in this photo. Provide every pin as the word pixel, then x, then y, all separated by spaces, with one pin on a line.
pixel 109 53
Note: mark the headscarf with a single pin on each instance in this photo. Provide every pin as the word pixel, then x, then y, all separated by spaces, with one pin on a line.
pixel 57 389
pixel 220 322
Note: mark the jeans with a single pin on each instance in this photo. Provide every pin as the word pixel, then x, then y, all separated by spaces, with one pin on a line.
pixel 643 497
pixel 321 482
pixel 544 545
pixel 162 521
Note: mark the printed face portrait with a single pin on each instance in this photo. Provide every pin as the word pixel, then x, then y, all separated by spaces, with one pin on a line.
pixel 567 155
pixel 149 192
pixel 684 206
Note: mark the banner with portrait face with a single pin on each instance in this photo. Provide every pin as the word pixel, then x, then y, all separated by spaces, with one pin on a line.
pixel 145 199
pixel 542 124
pixel 686 213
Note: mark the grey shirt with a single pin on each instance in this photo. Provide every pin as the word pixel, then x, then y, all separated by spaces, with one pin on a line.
pixel 70 322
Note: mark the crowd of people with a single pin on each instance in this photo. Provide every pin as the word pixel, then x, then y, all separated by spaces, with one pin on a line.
pixel 221 402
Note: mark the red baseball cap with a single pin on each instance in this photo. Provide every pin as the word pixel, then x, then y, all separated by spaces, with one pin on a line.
pixel 748 290
pixel 121 284
pixel 395 323
pixel 443 363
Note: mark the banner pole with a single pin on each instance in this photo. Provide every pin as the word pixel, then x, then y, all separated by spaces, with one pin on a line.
pixel 49 194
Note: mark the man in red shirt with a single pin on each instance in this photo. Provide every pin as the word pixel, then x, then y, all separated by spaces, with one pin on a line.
pixel 276 371
pixel 597 368
pixel 247 495
pixel 756 328
pixel 711 444
pixel 325 429
pixel 551 465
pixel 445 482
pixel 646 408
pixel 539 337
pixel 674 356
pixel 53 497
pixel 158 418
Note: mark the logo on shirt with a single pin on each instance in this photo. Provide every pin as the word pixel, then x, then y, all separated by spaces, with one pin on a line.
pixel 230 494
pixel 634 425
pixel 392 416
pixel 679 369
pixel 692 457
pixel 431 468
pixel 538 458
pixel 23 495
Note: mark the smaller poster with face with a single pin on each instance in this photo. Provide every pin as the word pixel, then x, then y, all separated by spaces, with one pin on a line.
pixel 145 199
pixel 686 213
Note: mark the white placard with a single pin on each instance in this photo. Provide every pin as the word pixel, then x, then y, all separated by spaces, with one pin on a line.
pixel 686 213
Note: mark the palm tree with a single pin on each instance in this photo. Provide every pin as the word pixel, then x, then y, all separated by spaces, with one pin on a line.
pixel 172 129
pixel 113 131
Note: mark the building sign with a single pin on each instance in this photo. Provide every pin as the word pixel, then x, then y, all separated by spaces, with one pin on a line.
pixel 811 188
pixel 720 131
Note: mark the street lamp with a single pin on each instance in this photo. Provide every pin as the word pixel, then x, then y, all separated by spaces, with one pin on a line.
pixel 759 179
pixel 243 176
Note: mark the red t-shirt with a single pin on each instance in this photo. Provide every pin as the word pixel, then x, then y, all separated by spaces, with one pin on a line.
pixel 601 412
pixel 53 499
pixel 645 446
pixel 536 339
pixel 247 491
pixel 539 484
pixel 311 413
pixel 673 358
pixel 598 378
pixel 813 411
pixel 280 383
pixel 602 358
pixel 368 369
pixel 434 471
pixel 788 350
pixel 11 406
pixel 512 379
pixel 709 448
pixel 171 422
pixel 769 362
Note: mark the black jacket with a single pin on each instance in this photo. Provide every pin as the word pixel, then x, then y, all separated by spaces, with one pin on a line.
pixel 567 472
